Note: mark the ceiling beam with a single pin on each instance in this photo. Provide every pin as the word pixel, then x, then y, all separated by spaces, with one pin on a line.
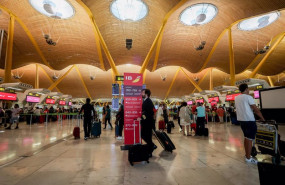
pixel 173 80
pixel 259 55
pixel 232 59
pixel 50 79
pixel 9 50
pixel 97 38
pixel 98 33
pixel 157 50
pixel 202 79
pixel 270 81
pixel 258 67
pixel 29 34
pixel 191 80
pixel 159 37
pixel 60 79
pixel 83 83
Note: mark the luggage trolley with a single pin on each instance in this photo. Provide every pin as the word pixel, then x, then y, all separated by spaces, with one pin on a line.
pixel 267 139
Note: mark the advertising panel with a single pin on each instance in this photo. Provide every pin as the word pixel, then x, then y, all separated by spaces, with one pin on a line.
pixel 50 101
pixel 62 102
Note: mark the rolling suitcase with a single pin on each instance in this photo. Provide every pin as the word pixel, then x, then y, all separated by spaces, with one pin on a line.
pixel 76 131
pixel 206 132
pixel 169 127
pixel 171 123
pixel 161 125
pixel 164 140
pixel 138 152
pixel 96 128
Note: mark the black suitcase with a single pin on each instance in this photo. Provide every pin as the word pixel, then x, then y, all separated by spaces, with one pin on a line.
pixel 171 123
pixel 164 140
pixel 138 152
pixel 169 127
pixel 206 132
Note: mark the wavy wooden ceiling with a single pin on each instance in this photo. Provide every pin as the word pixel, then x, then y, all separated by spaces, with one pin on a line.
pixel 77 43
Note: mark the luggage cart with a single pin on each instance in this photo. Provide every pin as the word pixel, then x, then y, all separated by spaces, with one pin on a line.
pixel 267 139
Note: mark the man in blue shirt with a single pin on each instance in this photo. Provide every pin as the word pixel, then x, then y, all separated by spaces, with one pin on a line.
pixel 200 110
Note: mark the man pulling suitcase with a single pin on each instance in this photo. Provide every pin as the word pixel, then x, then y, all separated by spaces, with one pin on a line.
pixel 87 109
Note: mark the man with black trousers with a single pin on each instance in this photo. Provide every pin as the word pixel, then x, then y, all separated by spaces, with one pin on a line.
pixel 147 120
pixel 87 109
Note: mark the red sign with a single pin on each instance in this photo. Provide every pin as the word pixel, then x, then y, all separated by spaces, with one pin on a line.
pixel 232 97
pixel 132 106
pixel 133 79
pixel 70 103
pixel 215 99
pixel 200 101
pixel 32 99
pixel 50 101
pixel 62 102
pixel 8 96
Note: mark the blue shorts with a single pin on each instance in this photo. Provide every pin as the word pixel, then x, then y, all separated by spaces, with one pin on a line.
pixel 249 129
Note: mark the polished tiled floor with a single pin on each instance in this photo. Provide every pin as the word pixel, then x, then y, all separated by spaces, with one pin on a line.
pixel 217 159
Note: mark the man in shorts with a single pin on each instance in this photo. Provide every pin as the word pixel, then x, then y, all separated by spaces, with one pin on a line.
pixel 245 106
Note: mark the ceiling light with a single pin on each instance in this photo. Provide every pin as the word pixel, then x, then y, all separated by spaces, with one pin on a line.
pixel 129 10
pixel 58 9
pixel 198 14
pixel 259 22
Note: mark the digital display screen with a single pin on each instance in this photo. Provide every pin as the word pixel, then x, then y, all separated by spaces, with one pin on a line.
pixel 70 103
pixel 215 99
pixel 62 102
pixel 115 103
pixel 232 97
pixel 122 90
pixel 144 86
pixel 190 103
pixel 200 100
pixel 8 96
pixel 119 78
pixel 115 90
pixel 33 99
pixel 50 101
pixel 256 94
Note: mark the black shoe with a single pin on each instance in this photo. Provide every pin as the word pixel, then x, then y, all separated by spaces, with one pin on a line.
pixel 150 155
pixel 8 128
pixel 104 128
pixel 154 147
pixel 85 138
pixel 16 127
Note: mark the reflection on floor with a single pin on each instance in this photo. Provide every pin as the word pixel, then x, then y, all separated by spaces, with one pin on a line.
pixel 217 159
pixel 30 138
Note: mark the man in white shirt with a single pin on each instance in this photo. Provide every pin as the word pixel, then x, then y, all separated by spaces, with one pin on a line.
pixel 245 106
pixel 15 117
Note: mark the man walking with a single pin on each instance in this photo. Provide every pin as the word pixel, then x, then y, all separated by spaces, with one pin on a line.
pixel 245 106
pixel 87 109
pixel 147 120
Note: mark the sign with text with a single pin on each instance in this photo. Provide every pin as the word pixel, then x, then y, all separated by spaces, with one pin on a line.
pixel 231 97
pixel 8 96
pixel 32 99
pixel 132 106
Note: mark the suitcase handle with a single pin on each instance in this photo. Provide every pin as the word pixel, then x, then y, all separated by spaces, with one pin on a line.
pixel 135 131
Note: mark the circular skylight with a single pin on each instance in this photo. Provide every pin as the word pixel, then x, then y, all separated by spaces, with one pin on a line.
pixel 58 9
pixel 259 22
pixel 198 14
pixel 129 10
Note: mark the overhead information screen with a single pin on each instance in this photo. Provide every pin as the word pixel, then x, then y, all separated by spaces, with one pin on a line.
pixel 50 101
pixel 115 103
pixel 62 102
pixel 115 90
pixel 32 99
pixel 8 96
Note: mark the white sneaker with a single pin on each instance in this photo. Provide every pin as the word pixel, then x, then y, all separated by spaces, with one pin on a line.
pixel 180 130
pixel 251 160
pixel 119 138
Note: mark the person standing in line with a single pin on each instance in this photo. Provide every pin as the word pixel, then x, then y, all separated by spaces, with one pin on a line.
pixel 15 117
pixel 87 109
pixel 201 113
pixel 184 115
pixel 104 114
pixel 159 114
pixel 220 112
pixel 179 121
pixel 120 118
pixel 165 114
pixel 245 106
pixel 108 117
pixel 147 120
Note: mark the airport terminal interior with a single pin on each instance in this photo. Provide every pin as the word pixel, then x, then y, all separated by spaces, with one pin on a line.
pixel 54 54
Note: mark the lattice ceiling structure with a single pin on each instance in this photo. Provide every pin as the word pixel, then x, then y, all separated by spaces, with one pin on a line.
pixel 93 47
